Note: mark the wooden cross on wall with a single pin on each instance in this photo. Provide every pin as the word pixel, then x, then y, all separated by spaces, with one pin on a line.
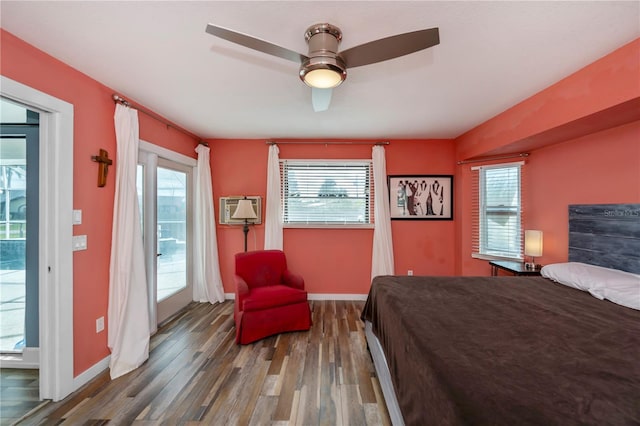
pixel 104 162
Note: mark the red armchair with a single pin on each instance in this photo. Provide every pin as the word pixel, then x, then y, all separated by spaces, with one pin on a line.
pixel 269 298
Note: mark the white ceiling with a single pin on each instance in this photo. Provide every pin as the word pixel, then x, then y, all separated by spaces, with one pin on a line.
pixel 492 55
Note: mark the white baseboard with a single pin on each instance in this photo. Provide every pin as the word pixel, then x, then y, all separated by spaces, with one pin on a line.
pixel 90 374
pixel 338 296
pixel 318 296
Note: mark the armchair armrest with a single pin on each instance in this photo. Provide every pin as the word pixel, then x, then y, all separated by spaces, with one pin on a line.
pixel 242 289
pixel 293 280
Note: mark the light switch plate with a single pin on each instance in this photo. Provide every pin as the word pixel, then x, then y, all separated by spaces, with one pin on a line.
pixel 77 217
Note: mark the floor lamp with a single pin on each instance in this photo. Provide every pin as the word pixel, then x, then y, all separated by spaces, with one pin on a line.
pixel 245 211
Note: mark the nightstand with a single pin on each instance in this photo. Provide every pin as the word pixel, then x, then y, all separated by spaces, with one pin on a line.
pixel 516 268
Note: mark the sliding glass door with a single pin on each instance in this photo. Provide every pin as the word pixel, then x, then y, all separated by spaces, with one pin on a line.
pixel 19 217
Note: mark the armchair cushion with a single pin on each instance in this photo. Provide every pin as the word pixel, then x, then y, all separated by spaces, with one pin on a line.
pixel 272 296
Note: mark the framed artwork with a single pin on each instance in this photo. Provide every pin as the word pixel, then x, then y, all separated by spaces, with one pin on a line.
pixel 421 197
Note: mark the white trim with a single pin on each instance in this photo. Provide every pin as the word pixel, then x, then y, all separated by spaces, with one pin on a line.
pixel 167 154
pixel 28 359
pixel 91 373
pixel 338 296
pixel 56 230
pixel 483 256
pixel 318 296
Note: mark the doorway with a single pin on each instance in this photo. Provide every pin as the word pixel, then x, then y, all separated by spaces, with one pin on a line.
pixel 55 257
pixel 19 225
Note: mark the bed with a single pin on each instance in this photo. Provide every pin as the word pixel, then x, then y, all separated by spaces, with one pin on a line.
pixel 517 350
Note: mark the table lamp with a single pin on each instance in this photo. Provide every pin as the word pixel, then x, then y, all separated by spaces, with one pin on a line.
pixel 532 246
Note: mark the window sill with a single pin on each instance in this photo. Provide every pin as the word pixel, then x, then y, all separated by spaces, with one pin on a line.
pixel 328 226
pixel 493 257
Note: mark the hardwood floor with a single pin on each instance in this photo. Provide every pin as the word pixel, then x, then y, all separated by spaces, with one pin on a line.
pixel 19 394
pixel 196 374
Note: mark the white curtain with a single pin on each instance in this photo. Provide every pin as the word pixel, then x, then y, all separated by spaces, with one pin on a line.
pixel 382 259
pixel 207 282
pixel 128 310
pixel 273 221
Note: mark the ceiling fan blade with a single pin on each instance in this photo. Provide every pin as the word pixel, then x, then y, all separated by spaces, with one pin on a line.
pixel 255 43
pixel 320 98
pixel 390 47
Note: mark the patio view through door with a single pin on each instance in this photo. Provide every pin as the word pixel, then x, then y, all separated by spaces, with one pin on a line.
pixel 19 152
pixel 164 192
pixel 19 198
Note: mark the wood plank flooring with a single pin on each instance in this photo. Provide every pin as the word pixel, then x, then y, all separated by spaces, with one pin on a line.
pixel 19 394
pixel 197 375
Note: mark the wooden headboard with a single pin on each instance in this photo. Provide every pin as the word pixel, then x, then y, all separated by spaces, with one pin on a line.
pixel 605 235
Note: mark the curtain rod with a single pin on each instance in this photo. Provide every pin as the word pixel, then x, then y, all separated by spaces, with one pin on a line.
pixel 495 157
pixel 326 143
pixel 120 100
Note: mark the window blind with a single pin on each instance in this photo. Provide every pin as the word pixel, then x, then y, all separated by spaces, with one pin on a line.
pixel 498 211
pixel 327 192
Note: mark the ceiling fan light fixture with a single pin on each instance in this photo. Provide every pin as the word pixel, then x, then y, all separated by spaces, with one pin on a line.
pixel 323 72
pixel 325 66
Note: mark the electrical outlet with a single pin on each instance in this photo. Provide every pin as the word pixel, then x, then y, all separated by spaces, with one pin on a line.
pixel 99 324
pixel 410 272
pixel 79 242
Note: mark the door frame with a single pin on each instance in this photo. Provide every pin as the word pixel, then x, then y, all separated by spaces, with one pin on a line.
pixel 158 154
pixel 55 240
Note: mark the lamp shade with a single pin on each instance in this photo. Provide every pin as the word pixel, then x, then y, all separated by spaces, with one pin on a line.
pixel 244 210
pixel 323 72
pixel 533 243
pixel 322 78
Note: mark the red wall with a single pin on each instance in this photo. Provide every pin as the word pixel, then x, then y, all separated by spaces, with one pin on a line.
pixel 334 261
pixel 610 81
pixel 599 166
pixel 93 130
pixel 605 168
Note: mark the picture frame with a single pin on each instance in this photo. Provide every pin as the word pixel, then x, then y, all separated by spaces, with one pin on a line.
pixel 420 197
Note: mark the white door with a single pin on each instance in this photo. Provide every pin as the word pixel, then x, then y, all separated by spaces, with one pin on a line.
pixel 164 192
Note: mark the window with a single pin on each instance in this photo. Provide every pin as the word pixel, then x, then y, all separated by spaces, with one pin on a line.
pixel 498 213
pixel 326 192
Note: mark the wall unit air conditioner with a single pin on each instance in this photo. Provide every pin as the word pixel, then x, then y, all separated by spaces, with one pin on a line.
pixel 228 206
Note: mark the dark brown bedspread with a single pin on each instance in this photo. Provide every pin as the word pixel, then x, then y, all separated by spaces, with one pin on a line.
pixel 506 351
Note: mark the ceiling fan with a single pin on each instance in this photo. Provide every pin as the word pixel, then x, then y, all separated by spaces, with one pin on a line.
pixel 324 68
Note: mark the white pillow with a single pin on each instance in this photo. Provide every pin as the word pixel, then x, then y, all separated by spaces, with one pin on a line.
pixel 617 286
